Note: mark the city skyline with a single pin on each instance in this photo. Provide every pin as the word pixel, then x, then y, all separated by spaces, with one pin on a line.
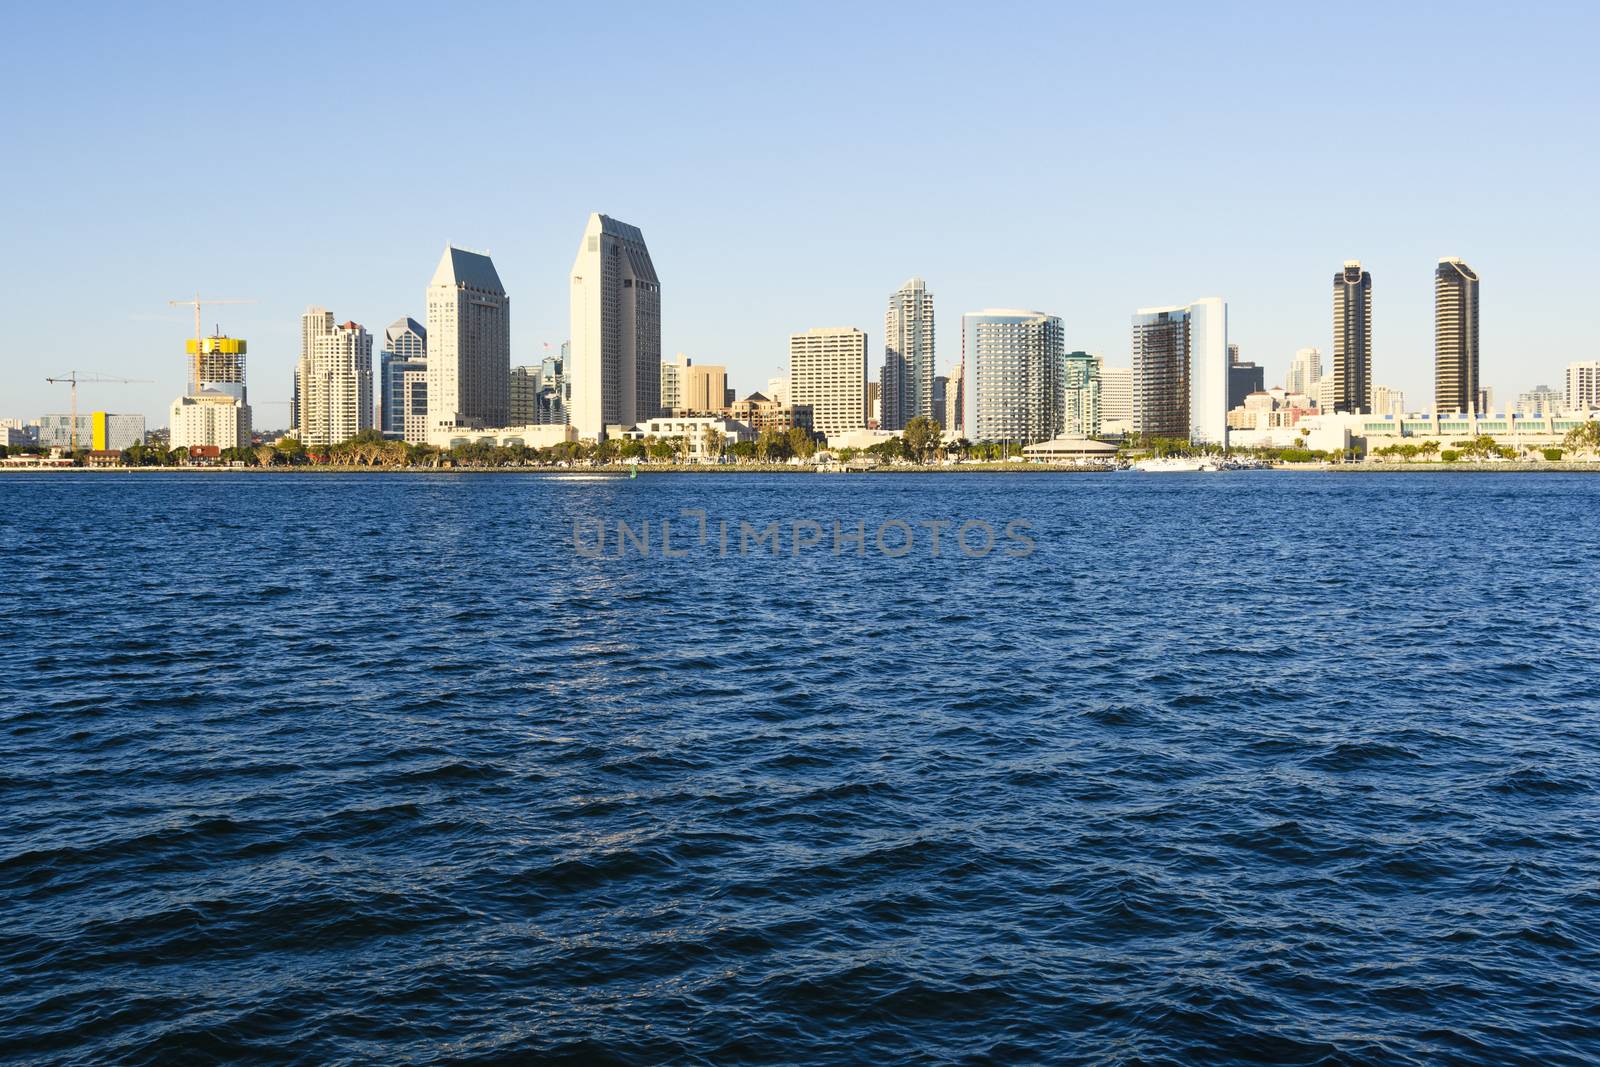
pixel 1258 223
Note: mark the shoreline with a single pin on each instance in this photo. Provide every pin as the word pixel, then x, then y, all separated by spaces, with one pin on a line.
pixel 623 470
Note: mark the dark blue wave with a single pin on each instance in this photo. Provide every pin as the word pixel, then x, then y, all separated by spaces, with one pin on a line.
pixel 1269 768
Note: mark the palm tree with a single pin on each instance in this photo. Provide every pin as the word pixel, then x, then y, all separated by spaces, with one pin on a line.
pixel 711 441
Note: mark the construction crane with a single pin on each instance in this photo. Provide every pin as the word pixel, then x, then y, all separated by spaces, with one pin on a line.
pixel 199 340
pixel 71 378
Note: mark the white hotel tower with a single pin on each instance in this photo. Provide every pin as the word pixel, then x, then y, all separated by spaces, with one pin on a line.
pixel 469 343
pixel 615 363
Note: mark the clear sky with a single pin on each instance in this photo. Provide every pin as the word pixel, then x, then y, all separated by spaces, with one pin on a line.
pixel 790 165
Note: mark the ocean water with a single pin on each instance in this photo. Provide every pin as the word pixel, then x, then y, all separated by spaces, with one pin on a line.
pixel 1257 767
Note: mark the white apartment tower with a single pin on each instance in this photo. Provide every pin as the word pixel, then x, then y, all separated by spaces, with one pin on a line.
pixel 468 343
pixel 906 385
pixel 336 386
pixel 1305 371
pixel 1583 386
pixel 828 379
pixel 615 365
pixel 313 324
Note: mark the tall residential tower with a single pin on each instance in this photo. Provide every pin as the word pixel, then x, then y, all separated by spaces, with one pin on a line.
pixel 1352 338
pixel 615 365
pixel 907 382
pixel 1456 383
pixel 1013 367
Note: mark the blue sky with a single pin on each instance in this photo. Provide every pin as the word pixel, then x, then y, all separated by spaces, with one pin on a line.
pixel 791 166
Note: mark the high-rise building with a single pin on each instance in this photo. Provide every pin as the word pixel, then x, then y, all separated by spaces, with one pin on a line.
pixel 1244 379
pixel 1583 386
pixel 468 343
pixel 1326 396
pixel 615 366
pixel 1387 401
pixel 219 364
pixel 1233 356
pixel 1081 394
pixel 690 388
pixel 1116 399
pixel 1455 338
pixel 672 372
pixel 828 376
pixel 1180 371
pixel 403 381
pixel 1542 400
pixel 950 416
pixel 209 419
pixel 1012 367
pixel 1305 371
pixel 1209 371
pixel 941 398
pixel 313 324
pixel 554 390
pixel 523 396
pixel 1352 338
pixel 336 386
pixel 906 385
pixel 1161 372
pixel 875 404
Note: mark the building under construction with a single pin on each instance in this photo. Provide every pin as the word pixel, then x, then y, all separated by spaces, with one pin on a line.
pixel 218 365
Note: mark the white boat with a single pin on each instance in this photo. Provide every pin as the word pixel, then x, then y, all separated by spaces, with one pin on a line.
pixel 1175 465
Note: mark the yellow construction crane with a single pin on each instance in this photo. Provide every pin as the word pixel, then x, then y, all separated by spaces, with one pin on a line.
pixel 71 378
pixel 199 340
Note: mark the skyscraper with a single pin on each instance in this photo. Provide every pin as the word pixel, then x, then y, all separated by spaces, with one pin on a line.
pixel 1081 393
pixel 1352 338
pixel 468 343
pixel 314 323
pixel 1163 372
pixel 1181 371
pixel 219 413
pixel 906 385
pixel 828 378
pixel 1305 371
pixel 1455 338
pixel 615 366
pixel 403 381
pixel 336 386
pixel 1012 369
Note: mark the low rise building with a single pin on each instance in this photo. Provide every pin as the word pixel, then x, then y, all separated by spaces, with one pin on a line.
pixel 98 429
pixel 448 435
pixel 760 412
pixel 1366 432
pixel 695 430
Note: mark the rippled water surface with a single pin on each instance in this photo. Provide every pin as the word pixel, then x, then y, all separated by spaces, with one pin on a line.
pixel 1259 767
